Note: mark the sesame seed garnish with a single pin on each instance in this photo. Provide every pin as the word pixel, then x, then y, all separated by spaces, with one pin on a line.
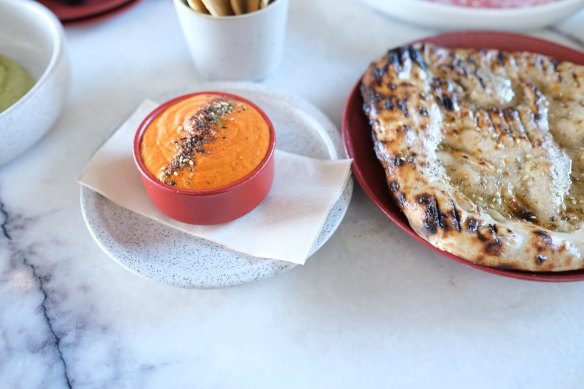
pixel 201 128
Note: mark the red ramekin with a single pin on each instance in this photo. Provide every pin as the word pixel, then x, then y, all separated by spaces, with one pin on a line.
pixel 211 206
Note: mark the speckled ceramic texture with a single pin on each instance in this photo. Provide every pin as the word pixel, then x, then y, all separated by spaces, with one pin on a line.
pixel 161 253
pixel 33 37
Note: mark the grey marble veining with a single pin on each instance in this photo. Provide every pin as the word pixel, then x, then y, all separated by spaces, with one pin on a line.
pixel 25 296
pixel 371 309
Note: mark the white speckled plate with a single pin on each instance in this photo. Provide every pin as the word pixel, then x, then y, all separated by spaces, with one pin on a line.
pixel 158 252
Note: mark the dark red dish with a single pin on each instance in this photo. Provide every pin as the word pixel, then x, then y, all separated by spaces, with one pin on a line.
pixel 91 11
pixel 356 133
pixel 211 206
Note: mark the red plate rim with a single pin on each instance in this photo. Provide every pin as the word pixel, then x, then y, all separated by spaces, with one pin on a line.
pixel 102 16
pixel 370 174
pixel 92 11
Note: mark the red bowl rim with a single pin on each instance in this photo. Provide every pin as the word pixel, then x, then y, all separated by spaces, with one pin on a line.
pixel 562 276
pixel 206 192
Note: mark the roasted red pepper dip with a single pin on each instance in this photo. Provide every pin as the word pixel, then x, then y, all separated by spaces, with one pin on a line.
pixel 206 141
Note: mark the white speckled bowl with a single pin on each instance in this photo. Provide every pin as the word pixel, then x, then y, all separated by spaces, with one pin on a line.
pixel 33 37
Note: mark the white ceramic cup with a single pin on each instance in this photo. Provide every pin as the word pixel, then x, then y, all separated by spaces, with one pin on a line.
pixel 241 47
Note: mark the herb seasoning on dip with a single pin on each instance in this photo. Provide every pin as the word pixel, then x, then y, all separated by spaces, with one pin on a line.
pixel 205 142
pixel 15 81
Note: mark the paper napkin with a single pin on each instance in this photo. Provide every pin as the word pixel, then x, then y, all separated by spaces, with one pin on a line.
pixel 284 226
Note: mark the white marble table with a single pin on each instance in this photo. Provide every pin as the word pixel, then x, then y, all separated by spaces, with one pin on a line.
pixel 371 309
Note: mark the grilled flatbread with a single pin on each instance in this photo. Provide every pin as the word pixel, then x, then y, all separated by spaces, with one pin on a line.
pixel 484 152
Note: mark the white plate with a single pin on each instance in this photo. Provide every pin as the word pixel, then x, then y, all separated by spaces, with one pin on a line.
pixel 161 253
pixel 450 17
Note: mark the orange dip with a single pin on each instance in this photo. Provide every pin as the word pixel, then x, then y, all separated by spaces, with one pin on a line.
pixel 205 142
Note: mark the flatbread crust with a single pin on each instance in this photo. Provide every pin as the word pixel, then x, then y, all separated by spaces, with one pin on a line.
pixel 483 151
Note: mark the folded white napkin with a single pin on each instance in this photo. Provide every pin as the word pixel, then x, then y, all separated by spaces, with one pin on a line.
pixel 284 226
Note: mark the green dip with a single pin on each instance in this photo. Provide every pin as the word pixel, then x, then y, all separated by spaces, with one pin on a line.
pixel 15 81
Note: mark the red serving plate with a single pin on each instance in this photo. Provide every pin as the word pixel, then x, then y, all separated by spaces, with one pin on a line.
pixel 91 11
pixel 356 133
